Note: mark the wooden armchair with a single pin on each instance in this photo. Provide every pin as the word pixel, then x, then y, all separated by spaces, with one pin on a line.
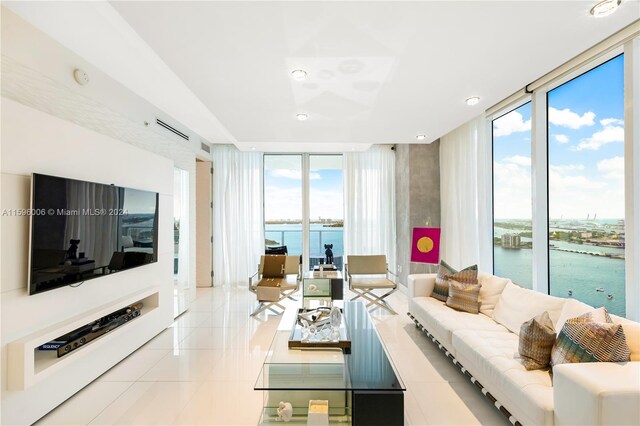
pixel 368 273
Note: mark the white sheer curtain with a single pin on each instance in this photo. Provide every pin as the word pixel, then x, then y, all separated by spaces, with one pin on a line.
pixel 238 227
pixel 370 203
pixel 463 189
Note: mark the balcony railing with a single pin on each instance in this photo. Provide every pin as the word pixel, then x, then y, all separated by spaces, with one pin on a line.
pixel 318 238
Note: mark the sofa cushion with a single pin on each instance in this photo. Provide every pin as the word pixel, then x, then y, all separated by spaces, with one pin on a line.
pixel 490 291
pixel 572 308
pixel 537 337
pixel 517 305
pixel 468 275
pixel 440 320
pixel 491 356
pixel 589 339
pixel 463 297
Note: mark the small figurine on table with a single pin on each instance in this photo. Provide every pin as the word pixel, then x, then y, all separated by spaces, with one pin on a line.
pixel 328 253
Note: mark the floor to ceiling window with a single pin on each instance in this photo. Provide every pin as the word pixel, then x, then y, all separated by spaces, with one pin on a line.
pixel 326 219
pixel 512 238
pixel 586 187
pixel 289 180
pixel 283 202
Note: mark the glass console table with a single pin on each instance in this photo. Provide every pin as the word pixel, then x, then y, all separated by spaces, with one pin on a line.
pixel 362 388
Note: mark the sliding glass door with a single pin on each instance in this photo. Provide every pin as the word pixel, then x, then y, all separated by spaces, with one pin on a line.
pixel 326 219
pixel 303 206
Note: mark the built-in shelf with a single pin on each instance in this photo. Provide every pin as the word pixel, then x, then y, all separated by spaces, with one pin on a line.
pixel 29 365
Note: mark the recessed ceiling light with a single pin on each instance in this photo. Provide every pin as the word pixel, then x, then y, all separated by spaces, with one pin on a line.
pixel 302 117
pixel 253 148
pixel 472 100
pixel 421 137
pixel 298 74
pixel 605 8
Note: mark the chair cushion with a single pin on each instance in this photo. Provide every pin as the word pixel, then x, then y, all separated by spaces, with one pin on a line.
pixel 372 282
pixel 463 297
pixel 537 337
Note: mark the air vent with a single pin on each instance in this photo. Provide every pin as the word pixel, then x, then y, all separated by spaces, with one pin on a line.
pixel 172 129
pixel 205 147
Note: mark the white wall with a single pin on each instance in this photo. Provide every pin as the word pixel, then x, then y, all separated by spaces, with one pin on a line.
pixel 33 141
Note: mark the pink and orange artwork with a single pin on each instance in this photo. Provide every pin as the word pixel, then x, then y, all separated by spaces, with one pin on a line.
pixel 425 247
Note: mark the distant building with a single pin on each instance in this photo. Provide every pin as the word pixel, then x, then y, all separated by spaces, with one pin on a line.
pixel 510 241
pixel 586 235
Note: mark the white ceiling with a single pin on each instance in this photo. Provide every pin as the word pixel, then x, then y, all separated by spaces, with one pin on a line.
pixel 379 72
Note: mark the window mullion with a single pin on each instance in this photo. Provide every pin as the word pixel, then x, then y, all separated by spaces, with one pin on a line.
pixel 539 192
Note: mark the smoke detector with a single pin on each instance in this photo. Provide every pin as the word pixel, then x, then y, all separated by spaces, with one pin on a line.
pixel 81 77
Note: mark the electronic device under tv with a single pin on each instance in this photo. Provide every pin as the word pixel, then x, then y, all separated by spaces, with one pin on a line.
pixel 84 230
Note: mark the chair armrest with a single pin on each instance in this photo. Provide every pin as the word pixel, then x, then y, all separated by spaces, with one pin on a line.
pixel 251 279
pixel 596 393
pixel 421 285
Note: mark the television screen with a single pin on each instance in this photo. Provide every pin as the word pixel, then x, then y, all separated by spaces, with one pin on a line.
pixel 83 230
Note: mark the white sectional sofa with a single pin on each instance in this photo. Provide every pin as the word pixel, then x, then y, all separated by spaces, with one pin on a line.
pixel 485 346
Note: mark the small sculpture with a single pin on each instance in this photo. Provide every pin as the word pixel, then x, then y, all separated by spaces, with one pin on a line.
pixel 328 253
pixel 285 411
pixel 73 249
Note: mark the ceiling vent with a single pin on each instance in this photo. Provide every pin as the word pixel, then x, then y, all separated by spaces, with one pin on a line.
pixel 172 129
pixel 205 147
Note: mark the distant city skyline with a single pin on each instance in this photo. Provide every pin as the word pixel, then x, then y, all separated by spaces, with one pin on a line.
pixel 586 150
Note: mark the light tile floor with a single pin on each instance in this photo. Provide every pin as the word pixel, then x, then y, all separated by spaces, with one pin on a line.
pixel 201 371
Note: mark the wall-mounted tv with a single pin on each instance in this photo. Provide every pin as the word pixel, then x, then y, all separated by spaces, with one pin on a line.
pixel 84 230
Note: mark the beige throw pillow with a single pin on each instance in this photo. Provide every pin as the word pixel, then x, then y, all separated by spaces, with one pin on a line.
pixel 537 337
pixel 585 339
pixel 463 297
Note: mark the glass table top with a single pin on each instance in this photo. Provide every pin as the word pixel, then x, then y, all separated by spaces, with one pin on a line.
pixel 367 367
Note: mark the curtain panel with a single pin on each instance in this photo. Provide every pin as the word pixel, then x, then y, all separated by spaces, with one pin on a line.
pixel 465 196
pixel 370 203
pixel 238 227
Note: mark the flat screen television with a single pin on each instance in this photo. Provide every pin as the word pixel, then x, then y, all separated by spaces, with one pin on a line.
pixel 84 230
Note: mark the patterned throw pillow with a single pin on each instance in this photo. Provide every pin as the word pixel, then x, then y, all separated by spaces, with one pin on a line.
pixel 464 297
pixel 537 337
pixel 585 339
pixel 445 273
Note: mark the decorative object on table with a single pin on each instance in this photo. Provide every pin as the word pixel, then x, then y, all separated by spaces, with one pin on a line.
pixel 318 414
pixel 425 246
pixel 73 249
pixel 328 252
pixel 314 329
pixel 285 411
pixel 336 320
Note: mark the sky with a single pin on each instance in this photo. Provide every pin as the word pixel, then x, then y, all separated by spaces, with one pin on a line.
pixel 586 150
pixel 283 188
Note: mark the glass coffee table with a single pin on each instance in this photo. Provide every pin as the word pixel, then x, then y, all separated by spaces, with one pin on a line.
pixel 362 387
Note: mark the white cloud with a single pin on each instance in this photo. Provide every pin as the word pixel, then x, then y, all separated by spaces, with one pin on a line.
pixel 609 134
pixel 567 118
pixel 512 193
pixel 510 123
pixel 612 168
pixel 293 174
pixel 566 168
pixel 520 160
pixel 608 121
pixel 561 138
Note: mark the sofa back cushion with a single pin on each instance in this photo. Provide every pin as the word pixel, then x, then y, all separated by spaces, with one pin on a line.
pixel 632 334
pixel 490 291
pixel 517 305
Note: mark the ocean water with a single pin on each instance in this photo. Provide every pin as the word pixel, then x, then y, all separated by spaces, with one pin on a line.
pixel 291 236
pixel 580 273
